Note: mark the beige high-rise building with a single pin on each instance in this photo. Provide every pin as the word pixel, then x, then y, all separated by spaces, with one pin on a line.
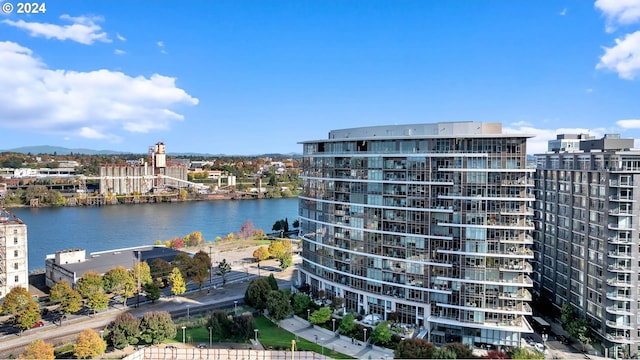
pixel 14 265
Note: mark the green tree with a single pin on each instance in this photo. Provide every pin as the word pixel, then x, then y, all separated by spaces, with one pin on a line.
pixel 22 307
pixel 285 261
pixel 16 300
pixel 278 305
pixel 347 325
pixel 220 324
pixel 445 353
pixel 257 294
pixel 143 271
pixel 461 351
pixel 567 314
pixel 69 299
pixel 89 345
pixel 201 265
pixel 155 327
pixel 524 354
pixel 296 223
pixel 381 335
pixel 242 327
pixel 97 301
pixel 28 316
pixel 178 285
pixel 273 282
pixel 272 180
pixel 183 262
pixel 38 349
pixel 13 162
pixel 321 315
pixel 301 302
pixel 153 291
pixel 414 348
pixel 160 270
pixel 124 330
pixel 223 269
pixel 89 283
pixel 119 282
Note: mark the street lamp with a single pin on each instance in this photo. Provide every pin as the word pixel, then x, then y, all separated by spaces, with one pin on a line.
pixel 334 324
pixel 102 334
pixel 235 307
pixel 183 334
pixel 255 336
pixel 210 267
pixel 210 337
pixel 322 345
pixel 365 335
pixel 308 314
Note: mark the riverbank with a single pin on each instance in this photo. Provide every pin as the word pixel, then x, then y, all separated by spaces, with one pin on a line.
pixel 101 200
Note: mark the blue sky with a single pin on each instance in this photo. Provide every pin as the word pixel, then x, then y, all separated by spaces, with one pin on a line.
pixel 252 77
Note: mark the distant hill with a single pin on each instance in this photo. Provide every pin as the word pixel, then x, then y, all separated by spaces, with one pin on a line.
pixel 59 150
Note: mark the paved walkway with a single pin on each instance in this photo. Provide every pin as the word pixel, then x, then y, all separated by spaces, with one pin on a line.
pixel 332 342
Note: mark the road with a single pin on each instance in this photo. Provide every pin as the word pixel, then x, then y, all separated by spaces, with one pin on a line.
pixel 195 300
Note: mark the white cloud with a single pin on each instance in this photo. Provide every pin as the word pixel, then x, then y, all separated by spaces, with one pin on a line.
pixel 538 144
pixel 563 12
pixel 161 46
pixel 120 37
pixel 629 123
pixel 589 90
pixel 99 104
pixel 619 12
pixel 119 52
pixel 83 29
pixel 623 57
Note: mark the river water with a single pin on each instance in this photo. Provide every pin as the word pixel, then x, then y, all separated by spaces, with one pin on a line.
pixel 120 226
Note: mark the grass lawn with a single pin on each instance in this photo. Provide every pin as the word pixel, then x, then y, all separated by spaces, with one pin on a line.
pixel 271 336
pixel 192 335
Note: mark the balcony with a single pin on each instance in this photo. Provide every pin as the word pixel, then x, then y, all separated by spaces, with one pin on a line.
pixel 618 183
pixel 618 282
pixel 524 295
pixel 616 310
pixel 520 267
pixel 614 240
pixel 616 325
pixel 618 211
pixel 620 255
pixel 620 268
pixel 619 338
pixel 621 198
pixel 521 182
pixel 627 227
pixel 619 297
pixel 527 253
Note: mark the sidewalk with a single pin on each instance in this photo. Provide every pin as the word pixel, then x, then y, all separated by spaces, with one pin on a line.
pixel 331 342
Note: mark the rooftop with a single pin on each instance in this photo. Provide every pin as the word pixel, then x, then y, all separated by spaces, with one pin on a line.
pixel 103 261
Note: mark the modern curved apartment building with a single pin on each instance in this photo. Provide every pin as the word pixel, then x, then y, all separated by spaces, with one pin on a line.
pixel 427 221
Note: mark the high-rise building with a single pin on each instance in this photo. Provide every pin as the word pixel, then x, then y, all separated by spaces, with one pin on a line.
pixel 14 267
pixel 427 224
pixel 586 238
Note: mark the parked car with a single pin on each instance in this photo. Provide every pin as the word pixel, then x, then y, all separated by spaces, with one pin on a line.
pixel 37 325
pixel 563 339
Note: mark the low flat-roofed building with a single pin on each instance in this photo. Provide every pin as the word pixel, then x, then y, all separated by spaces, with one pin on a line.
pixel 71 264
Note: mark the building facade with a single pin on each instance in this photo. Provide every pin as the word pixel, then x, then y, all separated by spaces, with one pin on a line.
pixel 428 222
pixel 14 266
pixel 586 238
